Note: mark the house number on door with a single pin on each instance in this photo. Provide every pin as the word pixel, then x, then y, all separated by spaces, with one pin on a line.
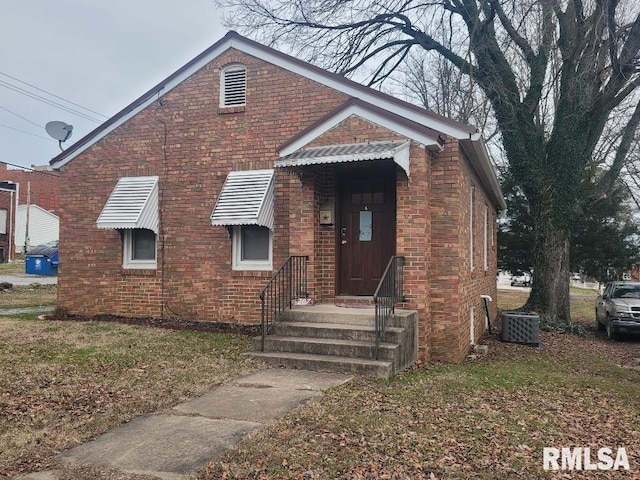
pixel 366 224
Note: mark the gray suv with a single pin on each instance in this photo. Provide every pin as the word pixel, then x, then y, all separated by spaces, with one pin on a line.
pixel 618 309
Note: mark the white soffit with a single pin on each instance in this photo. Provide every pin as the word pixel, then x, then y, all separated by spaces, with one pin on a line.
pixel 246 199
pixel 355 152
pixel 133 203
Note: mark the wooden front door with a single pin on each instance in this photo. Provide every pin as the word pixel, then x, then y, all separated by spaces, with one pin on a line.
pixel 366 227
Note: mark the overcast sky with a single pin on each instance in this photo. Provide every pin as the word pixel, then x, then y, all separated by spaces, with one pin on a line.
pixel 99 54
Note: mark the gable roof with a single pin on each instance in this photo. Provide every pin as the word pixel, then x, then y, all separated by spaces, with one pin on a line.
pixel 391 121
pixel 383 101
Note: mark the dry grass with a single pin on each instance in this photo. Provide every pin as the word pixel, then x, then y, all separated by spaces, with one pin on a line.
pixel 13 267
pixel 62 383
pixel 28 296
pixel 487 418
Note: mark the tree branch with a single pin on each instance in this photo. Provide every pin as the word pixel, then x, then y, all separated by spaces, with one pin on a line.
pixel 607 182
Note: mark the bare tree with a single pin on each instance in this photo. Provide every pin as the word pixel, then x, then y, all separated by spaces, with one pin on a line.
pixel 554 72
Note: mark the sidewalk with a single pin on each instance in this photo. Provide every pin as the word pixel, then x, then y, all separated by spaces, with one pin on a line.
pixel 170 445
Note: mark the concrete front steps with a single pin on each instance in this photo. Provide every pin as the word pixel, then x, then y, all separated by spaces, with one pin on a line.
pixel 340 339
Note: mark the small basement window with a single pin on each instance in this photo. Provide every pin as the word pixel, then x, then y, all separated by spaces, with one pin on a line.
pixel 233 86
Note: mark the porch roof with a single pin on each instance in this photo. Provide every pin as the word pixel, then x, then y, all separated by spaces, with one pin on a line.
pixel 398 151
pixel 133 203
pixel 246 198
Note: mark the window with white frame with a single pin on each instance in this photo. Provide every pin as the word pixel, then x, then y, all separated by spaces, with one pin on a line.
pixel 252 247
pixel 485 252
pixel 472 203
pixel 233 86
pixel 3 221
pixel 139 248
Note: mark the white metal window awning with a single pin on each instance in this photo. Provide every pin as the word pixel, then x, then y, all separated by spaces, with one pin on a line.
pixel 355 152
pixel 133 203
pixel 246 199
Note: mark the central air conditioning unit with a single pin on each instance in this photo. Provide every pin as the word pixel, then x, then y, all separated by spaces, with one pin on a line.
pixel 520 327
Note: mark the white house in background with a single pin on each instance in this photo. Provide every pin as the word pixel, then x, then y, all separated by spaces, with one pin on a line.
pixel 44 227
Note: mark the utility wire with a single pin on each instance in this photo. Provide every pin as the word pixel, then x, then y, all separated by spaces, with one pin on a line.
pixel 25 132
pixel 20 116
pixel 51 94
pixel 47 101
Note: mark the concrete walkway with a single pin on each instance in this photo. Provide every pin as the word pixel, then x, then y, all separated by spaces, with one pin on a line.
pixel 171 445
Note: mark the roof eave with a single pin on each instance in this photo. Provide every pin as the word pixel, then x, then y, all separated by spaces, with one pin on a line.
pixel 476 149
pixel 232 39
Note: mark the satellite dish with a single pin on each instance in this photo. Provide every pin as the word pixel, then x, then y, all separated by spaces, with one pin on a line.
pixel 59 130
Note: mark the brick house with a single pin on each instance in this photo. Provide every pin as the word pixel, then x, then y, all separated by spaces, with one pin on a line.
pixel 186 202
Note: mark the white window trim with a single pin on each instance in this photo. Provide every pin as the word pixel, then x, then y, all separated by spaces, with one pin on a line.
pixel 127 253
pixel 247 265
pixel 3 221
pixel 223 84
pixel 472 325
pixel 486 238
pixel 471 220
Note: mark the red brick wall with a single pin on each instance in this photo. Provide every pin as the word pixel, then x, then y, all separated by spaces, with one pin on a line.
pixel 456 287
pixel 44 186
pixel 192 145
pixel 194 275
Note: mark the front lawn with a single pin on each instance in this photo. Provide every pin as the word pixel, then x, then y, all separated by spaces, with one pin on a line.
pixel 487 418
pixel 63 383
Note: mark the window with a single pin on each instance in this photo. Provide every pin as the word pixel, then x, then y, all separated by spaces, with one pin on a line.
pixel 3 221
pixel 252 247
pixel 139 248
pixel 471 220
pixel 486 238
pixel 233 86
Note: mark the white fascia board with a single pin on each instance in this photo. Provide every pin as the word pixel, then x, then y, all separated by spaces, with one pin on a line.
pixel 476 148
pixel 283 62
pixel 367 115
pixel 351 90
pixel 163 90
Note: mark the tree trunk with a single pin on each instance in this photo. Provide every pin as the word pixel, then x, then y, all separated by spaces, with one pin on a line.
pixel 550 290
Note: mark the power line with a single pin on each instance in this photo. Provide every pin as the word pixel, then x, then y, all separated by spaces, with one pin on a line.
pixel 42 99
pixel 25 132
pixel 52 94
pixel 20 116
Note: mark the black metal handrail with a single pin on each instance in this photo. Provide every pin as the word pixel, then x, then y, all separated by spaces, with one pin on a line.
pixel 389 292
pixel 287 284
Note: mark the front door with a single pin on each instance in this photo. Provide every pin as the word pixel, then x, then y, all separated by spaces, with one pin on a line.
pixel 367 227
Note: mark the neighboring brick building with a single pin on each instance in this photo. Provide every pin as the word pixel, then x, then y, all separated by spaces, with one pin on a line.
pixel 7 220
pixel 39 186
pixel 188 200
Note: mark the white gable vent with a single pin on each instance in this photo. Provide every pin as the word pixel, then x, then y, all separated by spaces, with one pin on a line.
pixel 234 86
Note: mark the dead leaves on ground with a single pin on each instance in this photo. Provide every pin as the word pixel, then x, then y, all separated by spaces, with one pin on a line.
pixel 487 419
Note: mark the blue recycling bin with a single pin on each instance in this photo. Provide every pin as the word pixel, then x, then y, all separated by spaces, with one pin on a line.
pixel 42 260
